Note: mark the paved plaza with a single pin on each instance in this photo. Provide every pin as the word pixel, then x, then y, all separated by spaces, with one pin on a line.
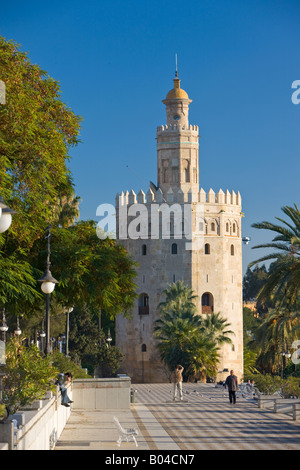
pixel 203 421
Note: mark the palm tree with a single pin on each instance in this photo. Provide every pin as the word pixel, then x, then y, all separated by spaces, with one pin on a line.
pixel 216 328
pixel 175 336
pixel 181 334
pixel 284 277
pixel 276 334
pixel 178 298
pixel 250 358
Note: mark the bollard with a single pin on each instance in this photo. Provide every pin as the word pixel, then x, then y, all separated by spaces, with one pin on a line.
pixel 132 395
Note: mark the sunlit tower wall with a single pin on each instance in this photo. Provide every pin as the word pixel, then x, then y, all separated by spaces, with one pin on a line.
pixel 181 233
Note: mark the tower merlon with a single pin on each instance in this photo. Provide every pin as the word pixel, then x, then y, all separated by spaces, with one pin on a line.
pixel 227 198
pixel 175 128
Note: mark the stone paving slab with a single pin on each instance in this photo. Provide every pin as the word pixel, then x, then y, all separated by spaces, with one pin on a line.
pixel 204 421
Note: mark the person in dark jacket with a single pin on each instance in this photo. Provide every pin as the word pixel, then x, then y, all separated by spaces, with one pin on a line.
pixel 232 384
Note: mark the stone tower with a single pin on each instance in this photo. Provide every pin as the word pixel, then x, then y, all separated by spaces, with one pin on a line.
pixel 177 231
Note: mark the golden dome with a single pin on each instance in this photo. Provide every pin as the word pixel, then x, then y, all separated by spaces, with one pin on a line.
pixel 177 92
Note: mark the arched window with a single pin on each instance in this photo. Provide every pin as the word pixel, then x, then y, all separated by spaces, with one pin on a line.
pixel 144 304
pixel 144 250
pixel 207 303
pixel 232 250
pixel 144 348
pixel 233 228
pixel 227 227
pixel 207 249
pixel 213 227
pixel 174 249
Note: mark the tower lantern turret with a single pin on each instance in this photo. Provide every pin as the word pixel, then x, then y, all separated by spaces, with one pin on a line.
pixel 177 145
pixel 177 105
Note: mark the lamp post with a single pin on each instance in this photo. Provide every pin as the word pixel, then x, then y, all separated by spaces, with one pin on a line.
pixel 3 327
pixel 47 286
pixel 68 311
pixel 284 354
pixel 109 338
pixel 18 330
pixel 42 335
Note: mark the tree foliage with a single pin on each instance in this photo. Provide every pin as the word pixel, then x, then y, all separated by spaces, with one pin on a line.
pixel 36 132
pixel 28 375
pixel 187 338
pixel 91 272
pixel 284 277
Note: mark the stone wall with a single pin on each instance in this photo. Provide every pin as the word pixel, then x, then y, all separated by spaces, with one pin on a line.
pixel 96 394
pixel 37 427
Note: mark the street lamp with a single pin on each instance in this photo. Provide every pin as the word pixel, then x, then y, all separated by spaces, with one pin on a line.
pixel 283 363
pixel 3 326
pixel 18 330
pixel 109 338
pixel 47 286
pixel 5 215
pixel 68 311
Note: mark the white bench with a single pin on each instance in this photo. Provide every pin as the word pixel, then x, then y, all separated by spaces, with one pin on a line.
pixel 125 435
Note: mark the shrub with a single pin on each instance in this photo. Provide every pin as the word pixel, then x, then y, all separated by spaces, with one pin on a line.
pixel 28 375
pixel 64 364
pixel 267 384
pixel 291 387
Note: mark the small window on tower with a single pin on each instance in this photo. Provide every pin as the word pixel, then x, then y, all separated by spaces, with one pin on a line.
pixel 144 250
pixel 174 249
pixel 207 249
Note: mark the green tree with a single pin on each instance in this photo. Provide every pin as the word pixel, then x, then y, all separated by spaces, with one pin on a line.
pixel 216 329
pixel 108 358
pixel 37 131
pixel 275 335
pixel 178 298
pixel 182 335
pixel 250 358
pixel 91 272
pixel 28 375
pixel 284 277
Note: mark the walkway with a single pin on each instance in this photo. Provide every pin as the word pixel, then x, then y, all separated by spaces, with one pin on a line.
pixel 203 421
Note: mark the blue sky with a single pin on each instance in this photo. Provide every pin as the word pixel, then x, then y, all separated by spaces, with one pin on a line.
pixel 115 62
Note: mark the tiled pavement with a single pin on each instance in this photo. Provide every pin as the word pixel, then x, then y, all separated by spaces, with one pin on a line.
pixel 203 421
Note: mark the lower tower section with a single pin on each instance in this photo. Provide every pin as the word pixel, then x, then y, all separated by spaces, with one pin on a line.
pixel 197 241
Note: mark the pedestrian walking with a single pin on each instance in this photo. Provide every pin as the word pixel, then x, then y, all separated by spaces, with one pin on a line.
pixel 232 384
pixel 177 381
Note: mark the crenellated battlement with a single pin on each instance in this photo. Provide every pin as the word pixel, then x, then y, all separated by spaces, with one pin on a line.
pixel 176 128
pixel 228 198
